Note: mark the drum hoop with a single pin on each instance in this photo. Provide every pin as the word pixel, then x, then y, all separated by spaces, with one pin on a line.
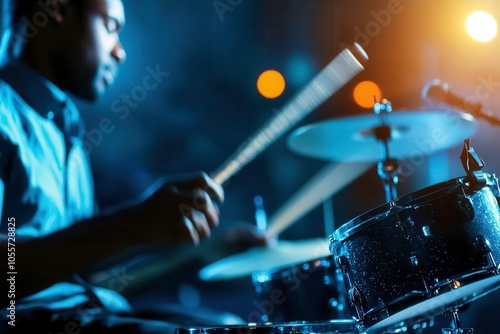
pixel 397 306
pixel 439 289
pixel 421 196
pixel 339 325
pixel 279 272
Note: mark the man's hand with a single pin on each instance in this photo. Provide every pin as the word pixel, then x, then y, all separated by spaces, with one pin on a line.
pixel 178 211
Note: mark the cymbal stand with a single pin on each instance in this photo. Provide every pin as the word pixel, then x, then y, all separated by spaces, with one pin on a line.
pixel 455 324
pixel 387 168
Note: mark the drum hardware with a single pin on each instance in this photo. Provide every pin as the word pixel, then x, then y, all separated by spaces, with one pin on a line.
pixel 455 323
pixel 473 166
pixel 387 168
pixel 483 246
pixel 419 267
pixel 357 300
pixel 466 207
pixel 260 215
pixel 401 226
pixel 354 295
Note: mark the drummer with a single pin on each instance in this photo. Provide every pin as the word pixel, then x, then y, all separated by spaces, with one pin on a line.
pixel 49 219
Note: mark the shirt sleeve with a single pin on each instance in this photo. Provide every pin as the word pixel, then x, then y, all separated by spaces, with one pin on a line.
pixel 7 151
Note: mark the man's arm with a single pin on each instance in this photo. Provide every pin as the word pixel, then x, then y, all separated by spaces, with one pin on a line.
pixel 171 214
pixel 41 262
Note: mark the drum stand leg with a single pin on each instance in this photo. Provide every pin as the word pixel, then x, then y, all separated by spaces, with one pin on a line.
pixel 455 323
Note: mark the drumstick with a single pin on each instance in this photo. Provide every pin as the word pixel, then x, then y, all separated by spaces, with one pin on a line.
pixel 335 75
pixel 322 185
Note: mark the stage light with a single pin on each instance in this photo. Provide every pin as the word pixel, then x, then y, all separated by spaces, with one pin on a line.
pixel 481 26
pixel 366 93
pixel 271 84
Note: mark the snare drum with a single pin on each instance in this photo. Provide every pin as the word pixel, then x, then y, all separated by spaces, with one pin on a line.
pixel 309 291
pixel 328 327
pixel 421 255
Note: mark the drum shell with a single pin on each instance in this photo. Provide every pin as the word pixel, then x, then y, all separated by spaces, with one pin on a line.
pixel 309 291
pixel 419 246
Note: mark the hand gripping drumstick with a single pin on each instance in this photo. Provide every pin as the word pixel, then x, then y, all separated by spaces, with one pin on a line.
pixel 335 75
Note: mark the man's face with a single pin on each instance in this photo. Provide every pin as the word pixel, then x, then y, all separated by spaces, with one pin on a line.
pixel 94 52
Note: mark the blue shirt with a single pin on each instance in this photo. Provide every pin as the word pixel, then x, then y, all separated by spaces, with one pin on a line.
pixel 45 177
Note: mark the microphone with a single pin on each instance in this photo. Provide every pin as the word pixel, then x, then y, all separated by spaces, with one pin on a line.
pixel 437 91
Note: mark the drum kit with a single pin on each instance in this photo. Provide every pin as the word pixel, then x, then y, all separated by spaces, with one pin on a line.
pixel 394 268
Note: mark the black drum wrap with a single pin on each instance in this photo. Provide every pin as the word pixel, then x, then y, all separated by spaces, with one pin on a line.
pixel 308 291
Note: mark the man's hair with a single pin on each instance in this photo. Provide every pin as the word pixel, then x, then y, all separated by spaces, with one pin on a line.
pixel 27 9
pixel 20 14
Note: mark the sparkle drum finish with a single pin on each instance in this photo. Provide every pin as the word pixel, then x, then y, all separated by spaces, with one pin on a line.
pixel 421 255
pixel 308 291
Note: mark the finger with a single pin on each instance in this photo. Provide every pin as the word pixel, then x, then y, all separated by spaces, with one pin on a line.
pixel 212 214
pixel 203 181
pixel 199 200
pixel 199 222
pixel 192 230
pixel 214 189
pixel 204 203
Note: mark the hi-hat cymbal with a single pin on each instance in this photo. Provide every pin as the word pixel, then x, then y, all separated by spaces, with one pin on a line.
pixel 274 256
pixel 352 139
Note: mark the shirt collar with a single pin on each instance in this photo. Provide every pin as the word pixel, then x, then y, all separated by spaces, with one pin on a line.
pixel 43 96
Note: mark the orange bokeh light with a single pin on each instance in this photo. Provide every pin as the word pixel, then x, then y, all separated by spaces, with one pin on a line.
pixel 271 84
pixel 366 93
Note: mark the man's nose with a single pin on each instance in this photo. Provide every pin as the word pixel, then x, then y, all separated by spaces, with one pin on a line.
pixel 119 53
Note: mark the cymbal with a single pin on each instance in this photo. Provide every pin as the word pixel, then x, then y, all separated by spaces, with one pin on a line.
pixel 352 139
pixel 274 256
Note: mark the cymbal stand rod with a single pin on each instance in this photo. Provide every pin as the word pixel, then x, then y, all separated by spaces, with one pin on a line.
pixel 387 168
pixel 260 215
pixel 455 324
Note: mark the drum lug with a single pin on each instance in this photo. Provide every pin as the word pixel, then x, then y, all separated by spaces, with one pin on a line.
pixel 356 298
pixel 343 263
pixel 483 247
pixel 419 267
pixel 401 226
pixel 295 331
pixel 496 188
pixel 403 230
pixel 417 264
pixel 467 208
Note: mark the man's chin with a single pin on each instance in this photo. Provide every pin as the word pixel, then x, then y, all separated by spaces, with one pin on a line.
pixel 91 95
